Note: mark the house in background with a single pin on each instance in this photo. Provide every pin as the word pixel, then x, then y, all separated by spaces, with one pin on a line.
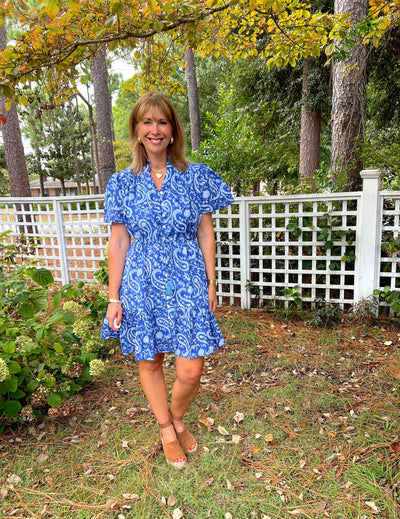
pixel 53 188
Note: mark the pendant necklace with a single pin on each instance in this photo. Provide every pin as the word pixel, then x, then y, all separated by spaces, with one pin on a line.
pixel 158 172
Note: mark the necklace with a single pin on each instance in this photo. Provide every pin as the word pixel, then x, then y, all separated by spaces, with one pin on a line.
pixel 158 172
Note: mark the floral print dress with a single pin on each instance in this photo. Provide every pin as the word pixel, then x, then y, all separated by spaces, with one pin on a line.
pixel 164 289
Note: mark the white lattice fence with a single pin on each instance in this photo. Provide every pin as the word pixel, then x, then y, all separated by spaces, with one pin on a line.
pixel 69 232
pixel 389 273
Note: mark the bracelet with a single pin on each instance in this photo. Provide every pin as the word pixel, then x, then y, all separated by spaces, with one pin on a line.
pixel 115 301
pixel 212 282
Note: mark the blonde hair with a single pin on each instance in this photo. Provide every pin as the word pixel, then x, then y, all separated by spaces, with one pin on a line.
pixel 176 151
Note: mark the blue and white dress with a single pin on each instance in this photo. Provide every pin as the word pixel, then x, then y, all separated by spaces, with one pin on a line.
pixel 164 289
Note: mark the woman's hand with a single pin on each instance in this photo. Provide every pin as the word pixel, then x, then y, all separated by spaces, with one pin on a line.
pixel 114 316
pixel 212 298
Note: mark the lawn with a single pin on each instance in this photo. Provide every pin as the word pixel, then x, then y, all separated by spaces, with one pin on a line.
pixel 292 421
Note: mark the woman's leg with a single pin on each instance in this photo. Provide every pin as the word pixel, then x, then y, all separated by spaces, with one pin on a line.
pixel 152 379
pixel 186 386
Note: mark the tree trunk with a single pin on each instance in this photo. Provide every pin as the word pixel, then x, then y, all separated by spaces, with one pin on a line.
pixel 75 154
pixel 193 98
pixel 103 119
pixel 13 146
pixel 310 134
pixel 41 183
pixel 349 102
pixel 93 148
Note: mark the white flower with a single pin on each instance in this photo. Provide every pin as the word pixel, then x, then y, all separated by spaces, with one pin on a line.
pixel 72 306
pixel 4 373
pixel 96 367
pixel 81 328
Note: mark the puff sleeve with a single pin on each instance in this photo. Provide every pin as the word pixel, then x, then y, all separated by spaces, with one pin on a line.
pixel 114 200
pixel 214 193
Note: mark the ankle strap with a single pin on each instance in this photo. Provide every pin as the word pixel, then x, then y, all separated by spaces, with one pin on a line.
pixel 164 425
pixel 174 417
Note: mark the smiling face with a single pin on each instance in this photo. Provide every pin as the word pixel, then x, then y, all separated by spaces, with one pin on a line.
pixel 155 132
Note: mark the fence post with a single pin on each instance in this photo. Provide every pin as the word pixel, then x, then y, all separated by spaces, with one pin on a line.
pixel 244 226
pixel 62 247
pixel 368 242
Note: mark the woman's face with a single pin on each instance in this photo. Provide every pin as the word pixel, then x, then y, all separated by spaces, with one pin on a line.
pixel 155 132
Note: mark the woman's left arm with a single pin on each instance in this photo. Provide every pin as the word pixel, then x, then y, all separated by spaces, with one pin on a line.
pixel 206 239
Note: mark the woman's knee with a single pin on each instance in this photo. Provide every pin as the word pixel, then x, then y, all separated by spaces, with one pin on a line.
pixel 190 372
pixel 151 366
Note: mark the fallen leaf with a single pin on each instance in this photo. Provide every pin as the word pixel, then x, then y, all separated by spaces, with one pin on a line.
pixel 373 507
pixel 3 493
pixel 236 438
pixel 207 421
pixel 14 479
pixel 177 514
pixel 295 512
pixel 255 449
pixel 130 497
pixel 229 485
pixel 238 417
pixel 125 444
pixel 228 515
pixel 268 438
pixel 112 504
pixel 320 506
pixel 258 475
pixel 171 501
pixel 222 430
pixel 395 448
pixel 394 371
pixel 87 469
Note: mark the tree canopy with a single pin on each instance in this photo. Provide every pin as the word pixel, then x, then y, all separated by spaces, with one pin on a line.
pixel 57 35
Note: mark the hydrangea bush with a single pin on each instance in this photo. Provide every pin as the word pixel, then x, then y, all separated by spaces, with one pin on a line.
pixel 50 344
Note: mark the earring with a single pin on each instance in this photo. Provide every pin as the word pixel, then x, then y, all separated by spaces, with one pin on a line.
pixel 139 140
pixel 171 141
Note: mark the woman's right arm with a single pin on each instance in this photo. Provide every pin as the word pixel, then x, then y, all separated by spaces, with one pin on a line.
pixel 120 241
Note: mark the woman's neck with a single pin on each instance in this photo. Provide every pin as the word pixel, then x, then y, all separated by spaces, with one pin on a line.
pixel 157 162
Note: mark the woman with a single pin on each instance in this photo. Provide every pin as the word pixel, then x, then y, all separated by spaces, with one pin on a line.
pixel 161 253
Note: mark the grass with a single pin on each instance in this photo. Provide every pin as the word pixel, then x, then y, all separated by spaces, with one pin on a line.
pixel 301 422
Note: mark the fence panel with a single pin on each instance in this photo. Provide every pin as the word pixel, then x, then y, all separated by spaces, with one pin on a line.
pixel 69 232
pixel 389 272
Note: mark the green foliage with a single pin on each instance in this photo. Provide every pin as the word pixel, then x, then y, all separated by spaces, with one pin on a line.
pixel 389 296
pixel 393 245
pixel 382 142
pixel 102 274
pixel 293 293
pixel 48 336
pixel 233 150
pixel 325 314
pixel 4 183
pixel 123 155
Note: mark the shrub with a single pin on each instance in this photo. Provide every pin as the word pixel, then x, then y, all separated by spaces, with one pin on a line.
pixel 325 314
pixel 49 336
